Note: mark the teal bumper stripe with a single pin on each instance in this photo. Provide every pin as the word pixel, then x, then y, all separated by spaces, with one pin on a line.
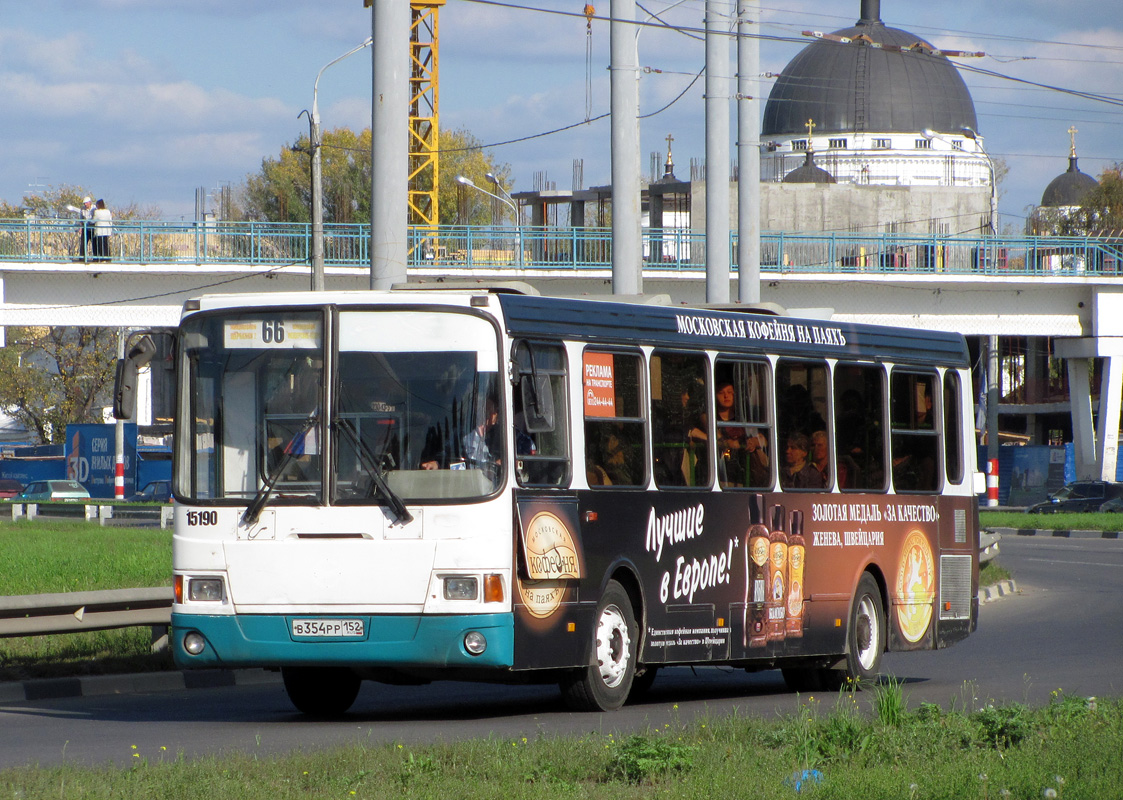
pixel 263 640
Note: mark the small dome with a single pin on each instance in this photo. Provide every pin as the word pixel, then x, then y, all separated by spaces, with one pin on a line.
pixel 809 173
pixel 885 80
pixel 1069 188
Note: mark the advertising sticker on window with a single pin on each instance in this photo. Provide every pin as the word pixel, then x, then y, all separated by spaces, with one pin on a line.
pixel 600 385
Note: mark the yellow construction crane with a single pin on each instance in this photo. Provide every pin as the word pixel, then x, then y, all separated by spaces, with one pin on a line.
pixel 424 116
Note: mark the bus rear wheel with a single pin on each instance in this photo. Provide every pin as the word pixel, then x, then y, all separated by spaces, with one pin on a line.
pixel 321 691
pixel 867 633
pixel 604 684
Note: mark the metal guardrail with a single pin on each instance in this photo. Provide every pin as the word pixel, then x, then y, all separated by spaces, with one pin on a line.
pixel 103 513
pixel 71 612
pixel 452 248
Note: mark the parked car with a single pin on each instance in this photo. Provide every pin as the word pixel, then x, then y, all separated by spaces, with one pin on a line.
pixel 44 491
pixel 1081 496
pixel 153 492
pixel 9 488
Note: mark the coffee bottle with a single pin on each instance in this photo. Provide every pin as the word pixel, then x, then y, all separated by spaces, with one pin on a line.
pixel 777 602
pixel 756 572
pixel 797 553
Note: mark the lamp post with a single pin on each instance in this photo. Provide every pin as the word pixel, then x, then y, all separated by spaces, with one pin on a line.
pixel 508 200
pixel 518 215
pixel 317 174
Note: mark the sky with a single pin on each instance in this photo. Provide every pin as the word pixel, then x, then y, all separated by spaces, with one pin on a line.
pixel 142 102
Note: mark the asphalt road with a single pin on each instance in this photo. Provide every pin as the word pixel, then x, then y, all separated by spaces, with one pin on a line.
pixel 1061 630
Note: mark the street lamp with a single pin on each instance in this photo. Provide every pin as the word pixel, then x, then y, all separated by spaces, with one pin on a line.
pixel 518 213
pixel 508 200
pixel 317 174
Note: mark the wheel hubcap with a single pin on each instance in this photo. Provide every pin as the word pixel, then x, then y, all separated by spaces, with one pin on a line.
pixel 614 643
pixel 866 633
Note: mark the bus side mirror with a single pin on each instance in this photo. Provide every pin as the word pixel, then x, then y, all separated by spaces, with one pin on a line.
pixel 128 368
pixel 538 403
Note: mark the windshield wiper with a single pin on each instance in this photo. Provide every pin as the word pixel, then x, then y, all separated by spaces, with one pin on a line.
pixel 294 449
pixel 370 464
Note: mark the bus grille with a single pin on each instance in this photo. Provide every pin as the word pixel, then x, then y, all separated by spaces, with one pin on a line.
pixel 955 587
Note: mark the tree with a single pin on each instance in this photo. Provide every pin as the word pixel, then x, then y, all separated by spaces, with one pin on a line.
pixel 56 201
pixel 461 153
pixel 281 191
pixel 50 377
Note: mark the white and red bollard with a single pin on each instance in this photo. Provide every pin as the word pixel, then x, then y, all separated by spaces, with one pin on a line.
pixel 119 478
pixel 992 482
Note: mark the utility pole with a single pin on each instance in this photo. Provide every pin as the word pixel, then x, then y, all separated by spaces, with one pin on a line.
pixel 748 152
pixel 389 143
pixel 627 271
pixel 717 155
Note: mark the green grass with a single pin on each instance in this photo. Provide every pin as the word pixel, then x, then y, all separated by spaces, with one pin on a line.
pixel 836 746
pixel 992 572
pixel 1083 522
pixel 47 557
pixel 42 557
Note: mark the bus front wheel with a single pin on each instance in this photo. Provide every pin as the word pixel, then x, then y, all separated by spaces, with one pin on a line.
pixel 604 684
pixel 321 691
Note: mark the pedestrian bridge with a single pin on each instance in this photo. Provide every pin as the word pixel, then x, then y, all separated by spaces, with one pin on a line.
pixel 1026 286
pixel 1069 288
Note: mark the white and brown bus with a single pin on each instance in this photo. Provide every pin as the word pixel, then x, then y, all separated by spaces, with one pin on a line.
pixel 414 485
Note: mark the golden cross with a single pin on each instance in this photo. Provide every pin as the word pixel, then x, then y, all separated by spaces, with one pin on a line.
pixel 1072 138
pixel 810 127
pixel 670 138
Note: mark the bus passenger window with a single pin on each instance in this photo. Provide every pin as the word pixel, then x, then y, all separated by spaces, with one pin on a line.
pixel 953 430
pixel 859 423
pixel 615 451
pixel 914 440
pixel 742 423
pixel 540 424
pixel 679 420
pixel 801 411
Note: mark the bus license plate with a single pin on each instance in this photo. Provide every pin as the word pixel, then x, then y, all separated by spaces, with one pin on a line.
pixel 328 627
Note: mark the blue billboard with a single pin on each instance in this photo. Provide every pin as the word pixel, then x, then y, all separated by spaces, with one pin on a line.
pixel 91 457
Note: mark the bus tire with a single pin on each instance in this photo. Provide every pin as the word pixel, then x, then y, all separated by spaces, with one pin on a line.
pixel 321 691
pixel 867 632
pixel 604 684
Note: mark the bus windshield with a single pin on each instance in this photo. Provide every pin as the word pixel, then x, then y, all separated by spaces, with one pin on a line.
pixel 407 408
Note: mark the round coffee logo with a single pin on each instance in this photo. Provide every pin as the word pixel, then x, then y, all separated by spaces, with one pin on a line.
pixel 550 551
pixel 916 587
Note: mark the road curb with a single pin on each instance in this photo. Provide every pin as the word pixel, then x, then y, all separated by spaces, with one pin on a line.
pixel 131 683
pixel 1056 534
pixel 988 594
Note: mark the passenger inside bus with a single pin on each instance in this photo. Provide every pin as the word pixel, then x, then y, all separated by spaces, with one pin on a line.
pixel 799 472
pixel 742 451
pixel 607 456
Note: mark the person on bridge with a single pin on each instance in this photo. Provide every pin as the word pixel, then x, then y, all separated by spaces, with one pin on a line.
pixel 87 213
pixel 103 229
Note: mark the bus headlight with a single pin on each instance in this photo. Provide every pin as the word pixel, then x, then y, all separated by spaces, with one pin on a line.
pixel 475 642
pixel 461 588
pixel 205 590
pixel 194 643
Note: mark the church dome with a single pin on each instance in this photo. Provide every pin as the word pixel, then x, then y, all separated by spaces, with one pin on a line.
pixel 901 86
pixel 1069 188
pixel 809 173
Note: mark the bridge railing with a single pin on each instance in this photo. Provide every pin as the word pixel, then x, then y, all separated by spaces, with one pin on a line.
pixel 461 247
